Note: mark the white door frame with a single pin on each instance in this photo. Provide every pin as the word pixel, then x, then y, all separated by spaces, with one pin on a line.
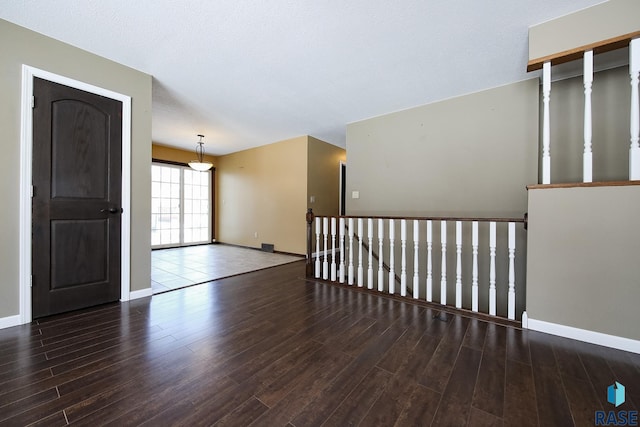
pixel 26 158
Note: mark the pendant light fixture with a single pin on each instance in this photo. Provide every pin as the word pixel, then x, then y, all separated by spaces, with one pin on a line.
pixel 200 164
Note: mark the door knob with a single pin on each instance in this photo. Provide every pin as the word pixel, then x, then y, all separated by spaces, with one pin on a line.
pixel 111 210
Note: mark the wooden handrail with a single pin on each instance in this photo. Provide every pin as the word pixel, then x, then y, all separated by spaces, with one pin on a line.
pixel 583 184
pixel 430 218
pixel 576 53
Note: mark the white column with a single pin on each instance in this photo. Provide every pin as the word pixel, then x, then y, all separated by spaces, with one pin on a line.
pixel 360 239
pixel 370 262
pixel 492 268
pixel 587 157
pixel 512 271
pixel 474 278
pixel 458 264
pixel 546 149
pixel 634 149
pixel 333 249
pixel 350 280
pixel 342 248
pixel 443 275
pixel 403 270
pixel 325 234
pixel 380 257
pixel 318 247
pixel 429 263
pixel 416 260
pixel 392 272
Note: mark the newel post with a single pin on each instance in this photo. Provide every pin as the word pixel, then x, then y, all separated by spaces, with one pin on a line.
pixel 310 218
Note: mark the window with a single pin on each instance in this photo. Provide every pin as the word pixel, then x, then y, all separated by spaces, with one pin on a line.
pixel 180 206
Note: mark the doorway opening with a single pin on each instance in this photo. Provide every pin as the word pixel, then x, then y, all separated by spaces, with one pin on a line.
pixel 343 188
pixel 181 206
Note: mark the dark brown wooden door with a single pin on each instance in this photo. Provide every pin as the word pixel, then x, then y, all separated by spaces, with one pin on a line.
pixel 77 177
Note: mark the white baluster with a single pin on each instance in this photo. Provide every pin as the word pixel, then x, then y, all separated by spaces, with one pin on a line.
pixel 403 270
pixel 333 249
pixel 587 157
pixel 325 234
pixel 512 271
pixel 429 264
pixel 318 247
pixel 380 240
pixel 458 264
pixel 342 248
pixel 474 280
pixel 443 275
pixel 416 260
pixel 634 149
pixel 360 238
pixel 392 272
pixel 492 268
pixel 350 232
pixel 370 265
pixel 546 134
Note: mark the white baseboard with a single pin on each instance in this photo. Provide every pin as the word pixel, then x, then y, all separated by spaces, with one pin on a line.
pixel 585 335
pixel 142 293
pixel 9 321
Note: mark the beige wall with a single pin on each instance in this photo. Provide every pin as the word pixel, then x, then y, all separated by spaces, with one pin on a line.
pixel 610 127
pixel 263 190
pixel 591 25
pixel 583 268
pixel 162 152
pixel 323 179
pixel 467 156
pixel 21 46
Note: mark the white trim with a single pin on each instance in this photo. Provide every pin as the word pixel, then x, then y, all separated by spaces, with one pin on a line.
pixel 141 293
pixel 585 335
pixel 26 154
pixel 9 321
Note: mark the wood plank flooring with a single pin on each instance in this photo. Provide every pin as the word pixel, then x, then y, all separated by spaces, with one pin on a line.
pixel 270 349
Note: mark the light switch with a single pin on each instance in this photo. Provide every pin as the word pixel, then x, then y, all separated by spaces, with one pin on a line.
pixel 355 194
pixel 312 199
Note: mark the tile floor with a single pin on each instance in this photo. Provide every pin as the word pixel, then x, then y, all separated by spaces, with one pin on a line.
pixel 179 267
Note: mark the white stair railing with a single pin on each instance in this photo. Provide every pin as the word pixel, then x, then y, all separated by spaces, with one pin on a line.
pixel 497 285
pixel 546 129
pixel 588 79
pixel 380 252
pixel 634 149
pixel 587 157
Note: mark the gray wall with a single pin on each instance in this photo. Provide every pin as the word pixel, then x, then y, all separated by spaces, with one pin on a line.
pixel 21 46
pixel 583 268
pixel 470 155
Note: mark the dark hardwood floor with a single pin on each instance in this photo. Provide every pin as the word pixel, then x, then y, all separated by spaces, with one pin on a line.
pixel 269 349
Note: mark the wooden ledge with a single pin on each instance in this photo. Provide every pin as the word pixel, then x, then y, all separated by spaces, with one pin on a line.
pixel 577 53
pixel 583 184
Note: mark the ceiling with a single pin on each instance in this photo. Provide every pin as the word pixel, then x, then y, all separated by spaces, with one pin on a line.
pixel 248 73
